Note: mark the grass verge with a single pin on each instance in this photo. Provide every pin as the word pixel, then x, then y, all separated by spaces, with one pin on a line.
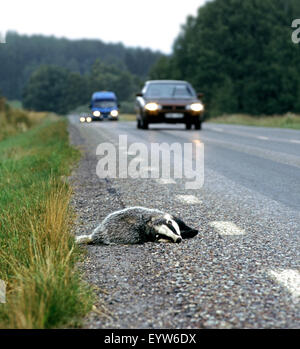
pixel 127 117
pixel 13 121
pixel 284 121
pixel 37 252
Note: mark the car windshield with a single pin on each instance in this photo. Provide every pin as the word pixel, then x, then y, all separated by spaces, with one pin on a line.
pixel 104 104
pixel 169 91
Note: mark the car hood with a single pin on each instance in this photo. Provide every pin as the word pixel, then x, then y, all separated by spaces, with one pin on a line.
pixel 104 110
pixel 172 101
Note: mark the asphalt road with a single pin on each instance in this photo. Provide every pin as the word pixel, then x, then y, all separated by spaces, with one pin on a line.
pixel 241 271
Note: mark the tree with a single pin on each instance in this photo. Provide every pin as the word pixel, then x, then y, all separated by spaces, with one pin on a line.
pixel 109 77
pixel 55 89
pixel 240 50
pixel 162 69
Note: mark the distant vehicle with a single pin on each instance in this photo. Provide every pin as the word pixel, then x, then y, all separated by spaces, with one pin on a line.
pixel 104 105
pixel 169 101
pixel 85 117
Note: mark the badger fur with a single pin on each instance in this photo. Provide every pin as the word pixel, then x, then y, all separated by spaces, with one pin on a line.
pixel 136 225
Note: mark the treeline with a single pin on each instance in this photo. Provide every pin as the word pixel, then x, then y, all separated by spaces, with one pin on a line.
pixel 239 53
pixel 25 57
pixel 52 88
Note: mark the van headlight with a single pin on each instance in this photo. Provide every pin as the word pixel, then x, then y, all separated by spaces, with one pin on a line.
pixel 152 106
pixel 88 119
pixel 197 107
pixel 114 113
pixel 96 113
pixel 82 119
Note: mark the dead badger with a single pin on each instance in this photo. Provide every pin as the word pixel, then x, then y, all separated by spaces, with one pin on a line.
pixel 137 225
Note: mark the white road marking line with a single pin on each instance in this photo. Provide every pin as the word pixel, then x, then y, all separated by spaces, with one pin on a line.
pixel 218 129
pixel 188 199
pixel 227 228
pixel 165 181
pixel 290 279
pixel 247 134
pixel 263 138
pixel 283 158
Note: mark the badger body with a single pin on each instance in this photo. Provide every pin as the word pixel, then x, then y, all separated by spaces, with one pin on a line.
pixel 137 225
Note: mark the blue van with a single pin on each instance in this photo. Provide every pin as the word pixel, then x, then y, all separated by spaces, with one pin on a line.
pixel 104 105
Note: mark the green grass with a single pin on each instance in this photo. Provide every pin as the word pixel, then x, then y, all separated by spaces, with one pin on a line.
pixel 15 104
pixel 289 120
pixel 127 117
pixel 37 253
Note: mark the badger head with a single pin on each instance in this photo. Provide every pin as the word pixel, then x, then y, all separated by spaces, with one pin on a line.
pixel 171 229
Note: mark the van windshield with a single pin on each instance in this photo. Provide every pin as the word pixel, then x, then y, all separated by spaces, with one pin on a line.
pixel 104 104
pixel 169 91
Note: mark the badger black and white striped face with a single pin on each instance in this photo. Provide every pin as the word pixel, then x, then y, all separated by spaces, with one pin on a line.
pixel 167 230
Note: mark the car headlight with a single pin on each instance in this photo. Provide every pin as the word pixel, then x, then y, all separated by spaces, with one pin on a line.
pixel 114 113
pixel 96 113
pixel 152 106
pixel 82 119
pixel 89 119
pixel 196 107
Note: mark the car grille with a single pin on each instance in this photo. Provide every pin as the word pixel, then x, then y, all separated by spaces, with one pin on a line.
pixel 173 108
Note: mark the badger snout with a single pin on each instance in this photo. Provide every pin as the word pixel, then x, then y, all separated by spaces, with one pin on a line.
pixel 167 232
pixel 168 239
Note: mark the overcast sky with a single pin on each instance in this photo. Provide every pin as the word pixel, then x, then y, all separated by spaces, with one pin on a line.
pixel 144 23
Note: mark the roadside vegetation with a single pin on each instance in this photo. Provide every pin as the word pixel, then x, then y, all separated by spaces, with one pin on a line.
pixel 282 121
pixel 13 121
pixel 37 252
